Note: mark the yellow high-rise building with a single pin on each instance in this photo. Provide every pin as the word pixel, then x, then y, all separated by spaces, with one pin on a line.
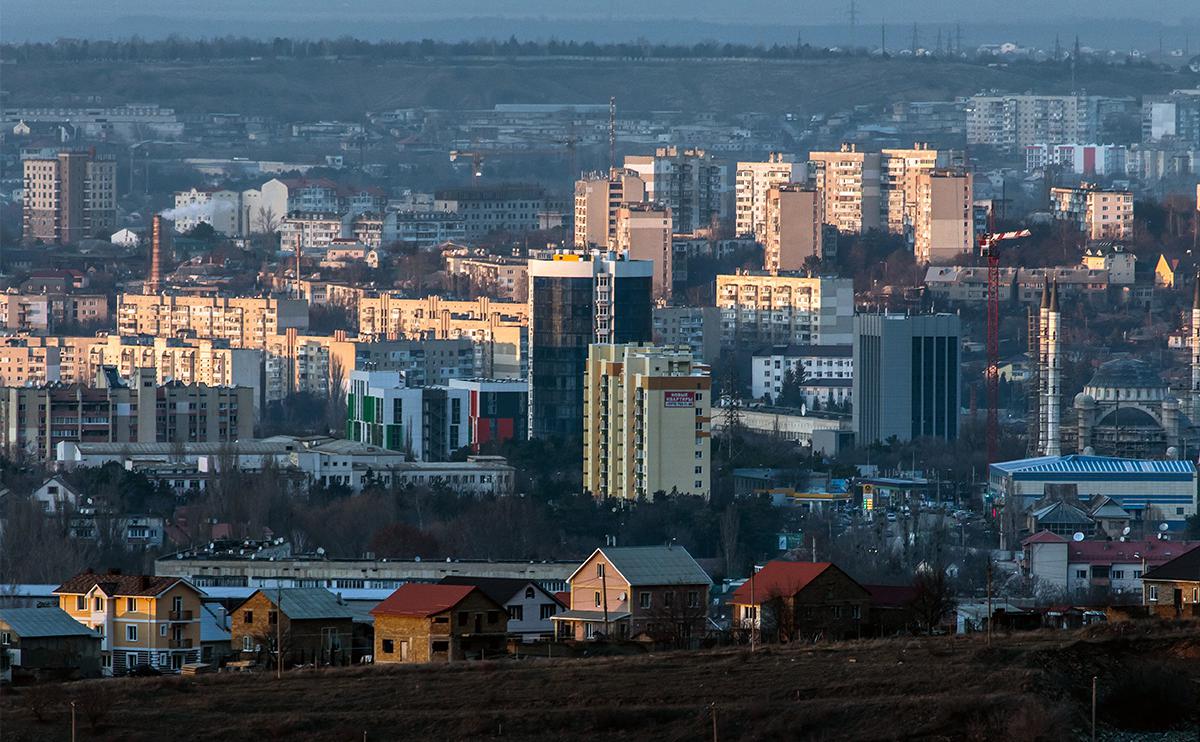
pixel 647 422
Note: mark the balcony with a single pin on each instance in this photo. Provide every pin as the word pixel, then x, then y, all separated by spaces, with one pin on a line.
pixel 180 644
pixel 179 616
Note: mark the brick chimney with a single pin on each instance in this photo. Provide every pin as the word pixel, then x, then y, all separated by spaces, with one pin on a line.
pixel 154 278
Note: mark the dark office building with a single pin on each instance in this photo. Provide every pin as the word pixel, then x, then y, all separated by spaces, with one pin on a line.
pixel 578 300
pixel 906 376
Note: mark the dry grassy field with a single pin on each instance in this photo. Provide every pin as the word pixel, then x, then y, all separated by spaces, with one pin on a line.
pixel 1024 687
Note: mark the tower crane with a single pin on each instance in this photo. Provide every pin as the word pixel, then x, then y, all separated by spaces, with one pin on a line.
pixel 989 244
pixel 476 163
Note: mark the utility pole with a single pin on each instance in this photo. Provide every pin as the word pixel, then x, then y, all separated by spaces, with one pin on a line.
pixel 604 598
pixel 853 13
pixel 612 134
pixel 713 706
pixel 279 628
pixel 882 38
pixel 989 601
pixel 1093 708
pixel 72 721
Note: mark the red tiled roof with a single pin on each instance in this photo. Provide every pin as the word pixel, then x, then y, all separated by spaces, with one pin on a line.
pixel 777 579
pixel 891 595
pixel 564 597
pixel 117 585
pixel 1044 537
pixel 417 599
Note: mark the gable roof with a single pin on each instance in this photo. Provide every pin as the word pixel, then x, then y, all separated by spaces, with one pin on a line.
pixel 1044 537
pixel 115 585
pixel 1062 513
pixel 652 565
pixel 499 589
pixel 1185 568
pixel 418 599
pixel 304 603
pixel 891 596
pixel 777 579
pixel 29 623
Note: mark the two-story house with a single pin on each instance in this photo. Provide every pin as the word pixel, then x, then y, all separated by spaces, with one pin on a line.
pixel 310 623
pixel 647 592
pixel 529 606
pixel 438 623
pixel 1173 589
pixel 142 620
pixel 785 601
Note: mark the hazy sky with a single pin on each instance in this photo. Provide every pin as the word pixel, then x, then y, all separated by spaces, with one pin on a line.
pixel 51 18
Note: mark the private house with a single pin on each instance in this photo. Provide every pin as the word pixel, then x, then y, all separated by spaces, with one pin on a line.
pixel 56 496
pixel 786 601
pixel 215 643
pixel 311 624
pixel 529 606
pixel 1173 588
pixel 892 610
pixel 438 623
pixel 142 620
pixel 657 593
pixel 46 643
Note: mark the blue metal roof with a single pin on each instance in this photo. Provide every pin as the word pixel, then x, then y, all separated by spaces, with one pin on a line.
pixel 1075 464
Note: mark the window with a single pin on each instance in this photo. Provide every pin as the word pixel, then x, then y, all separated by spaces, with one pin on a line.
pixel 855 612
pixel 131 605
pixel 1081 574
pixel 462 618
pixel 131 633
pixel 162 629
pixel 600 569
pixel 441 646
pixel 693 599
pixel 387 646
pixel 515 613
pixel 597 596
pixel 441 619
pixel 98 604
pixel 668 599
pixel 1118 574
pixel 547 610
pixel 1154 592
pixel 1137 574
pixel 837 611
pixel 529 593
pixel 644 599
pixel 1196 594
pixel 247 643
pixel 699 469
pixel 247 616
pixel 5 638
pixel 80 603
pixel 272 617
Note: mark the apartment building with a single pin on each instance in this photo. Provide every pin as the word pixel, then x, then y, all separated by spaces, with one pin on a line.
pixel 497 409
pixel 423 229
pixel 647 422
pixel 770 365
pixel 1172 119
pixel 245 322
pixel 759 308
pixel 697 328
pixel 498 329
pixel 427 423
pixel 794 228
pixel 597 198
pixel 185 360
pixel 219 208
pixel 1089 160
pixel 46 312
pixel 1098 213
pixel 487 209
pixel 37 419
pixel 752 181
pixel 142 620
pixel 688 180
pixel 304 230
pixel 944 227
pixel 849 181
pixel 24 363
pixel 68 196
pixel 576 300
pixel 1014 121
pixel 901 170
pixel 504 279
pixel 644 233
pixel 282 196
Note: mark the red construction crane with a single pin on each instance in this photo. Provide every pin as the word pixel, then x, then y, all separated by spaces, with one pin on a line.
pixel 988 247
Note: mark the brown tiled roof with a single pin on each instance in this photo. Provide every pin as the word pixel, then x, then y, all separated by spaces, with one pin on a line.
pixel 115 585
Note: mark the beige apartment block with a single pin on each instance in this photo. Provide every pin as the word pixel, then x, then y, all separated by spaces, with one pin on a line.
pixel 752 181
pixel 46 313
pixel 68 196
pixel 901 170
pixel 245 322
pixel 758 308
pixel 793 227
pixel 647 422
pixel 850 183
pixel 1097 213
pixel 644 233
pixel 597 198
pixel 505 279
pixel 944 229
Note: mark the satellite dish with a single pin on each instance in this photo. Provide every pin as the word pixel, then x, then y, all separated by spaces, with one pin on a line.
pixel 320 551
pixel 1122 539
pixel 1077 537
pixel 622 597
pixel 1162 527
pixel 1125 531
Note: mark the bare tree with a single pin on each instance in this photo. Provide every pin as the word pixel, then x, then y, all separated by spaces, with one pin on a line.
pixel 934 598
pixel 678 617
pixel 731 522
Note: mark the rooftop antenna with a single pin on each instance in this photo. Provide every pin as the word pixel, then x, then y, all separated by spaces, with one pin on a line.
pixel 882 37
pixel 853 13
pixel 914 40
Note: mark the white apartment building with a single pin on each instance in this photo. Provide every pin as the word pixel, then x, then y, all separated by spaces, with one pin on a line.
pixel 1019 120
pixel 219 208
pixel 647 422
pixel 308 230
pixel 769 366
pixel 759 309
pixel 1082 159
pixel 751 183
pixel 849 181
